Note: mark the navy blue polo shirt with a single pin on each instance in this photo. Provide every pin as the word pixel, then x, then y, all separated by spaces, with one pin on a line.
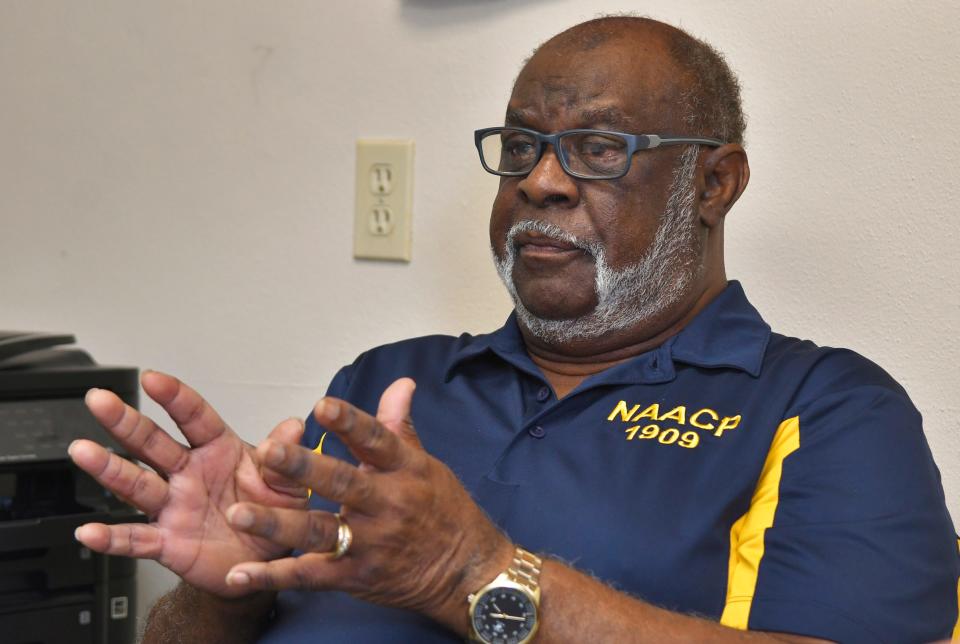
pixel 732 473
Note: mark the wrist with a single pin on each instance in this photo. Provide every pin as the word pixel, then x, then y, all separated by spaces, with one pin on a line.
pixel 480 571
pixel 252 606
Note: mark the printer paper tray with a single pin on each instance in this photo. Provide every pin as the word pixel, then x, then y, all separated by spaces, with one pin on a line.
pixel 49 531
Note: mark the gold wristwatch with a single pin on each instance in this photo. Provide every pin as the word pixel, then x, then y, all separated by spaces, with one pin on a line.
pixel 507 609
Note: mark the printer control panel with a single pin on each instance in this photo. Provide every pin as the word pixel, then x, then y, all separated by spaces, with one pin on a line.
pixel 41 430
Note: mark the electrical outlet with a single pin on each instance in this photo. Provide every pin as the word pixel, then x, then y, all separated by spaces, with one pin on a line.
pixel 384 199
pixel 381 221
pixel 381 179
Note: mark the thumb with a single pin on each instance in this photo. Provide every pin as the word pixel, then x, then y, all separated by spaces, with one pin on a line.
pixel 393 412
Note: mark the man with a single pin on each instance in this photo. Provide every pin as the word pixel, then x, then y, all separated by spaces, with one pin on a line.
pixel 635 418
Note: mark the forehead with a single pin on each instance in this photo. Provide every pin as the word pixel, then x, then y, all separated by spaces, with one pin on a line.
pixel 627 83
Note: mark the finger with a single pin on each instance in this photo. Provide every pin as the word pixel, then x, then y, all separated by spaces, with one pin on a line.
pixel 310 571
pixel 124 539
pixel 394 410
pixel 329 477
pixel 137 433
pixel 312 531
pixel 365 436
pixel 288 432
pixel 142 488
pixel 199 422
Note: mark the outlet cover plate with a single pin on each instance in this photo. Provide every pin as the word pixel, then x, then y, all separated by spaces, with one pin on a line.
pixel 384 183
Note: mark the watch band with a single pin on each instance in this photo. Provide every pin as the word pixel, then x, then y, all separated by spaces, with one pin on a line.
pixel 525 570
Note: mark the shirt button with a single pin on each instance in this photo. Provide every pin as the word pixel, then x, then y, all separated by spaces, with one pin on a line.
pixel 543 394
pixel 537 432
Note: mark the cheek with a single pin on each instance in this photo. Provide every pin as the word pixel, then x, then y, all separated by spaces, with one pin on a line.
pixel 625 222
pixel 501 219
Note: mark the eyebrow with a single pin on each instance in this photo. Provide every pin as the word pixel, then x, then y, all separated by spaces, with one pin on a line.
pixel 609 116
pixel 516 117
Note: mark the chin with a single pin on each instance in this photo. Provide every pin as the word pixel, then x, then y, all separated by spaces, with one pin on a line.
pixel 557 307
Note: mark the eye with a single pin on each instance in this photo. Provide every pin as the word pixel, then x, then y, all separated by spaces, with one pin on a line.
pixel 519 146
pixel 600 147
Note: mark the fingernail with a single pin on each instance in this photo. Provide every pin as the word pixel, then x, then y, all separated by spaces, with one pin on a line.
pixel 241 517
pixel 328 409
pixel 76 533
pixel 89 393
pixel 238 579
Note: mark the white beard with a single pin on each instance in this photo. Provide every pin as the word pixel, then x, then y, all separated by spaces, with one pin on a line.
pixel 634 294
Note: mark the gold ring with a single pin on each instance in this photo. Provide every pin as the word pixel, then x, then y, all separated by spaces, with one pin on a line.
pixel 344 537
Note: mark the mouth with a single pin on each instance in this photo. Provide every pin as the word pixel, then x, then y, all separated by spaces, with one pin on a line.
pixel 534 244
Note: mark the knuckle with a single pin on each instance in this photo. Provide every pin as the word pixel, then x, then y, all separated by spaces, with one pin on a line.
pixel 362 489
pixel 341 480
pixel 298 462
pixel 268 581
pixel 139 485
pixel 375 438
pixel 266 523
pixel 131 540
pixel 151 441
pixel 349 419
pixel 195 412
pixel 111 469
pixel 320 534
pixel 301 577
pixel 123 429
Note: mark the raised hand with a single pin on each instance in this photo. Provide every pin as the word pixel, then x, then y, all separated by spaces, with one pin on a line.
pixel 187 495
pixel 419 540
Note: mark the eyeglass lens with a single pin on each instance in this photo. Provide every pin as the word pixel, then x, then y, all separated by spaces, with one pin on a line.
pixel 587 154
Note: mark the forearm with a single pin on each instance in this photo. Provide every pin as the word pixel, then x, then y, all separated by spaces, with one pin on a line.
pixel 576 608
pixel 207 618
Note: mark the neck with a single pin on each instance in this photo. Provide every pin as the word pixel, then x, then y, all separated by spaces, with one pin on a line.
pixel 567 364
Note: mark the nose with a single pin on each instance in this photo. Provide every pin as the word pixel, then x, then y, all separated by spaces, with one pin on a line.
pixel 548 184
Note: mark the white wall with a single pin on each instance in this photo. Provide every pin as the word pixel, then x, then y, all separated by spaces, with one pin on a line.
pixel 176 181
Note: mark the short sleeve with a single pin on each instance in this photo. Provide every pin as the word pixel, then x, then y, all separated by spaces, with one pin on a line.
pixel 859 546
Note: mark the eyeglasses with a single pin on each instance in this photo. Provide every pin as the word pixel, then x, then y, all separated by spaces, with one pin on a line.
pixel 584 154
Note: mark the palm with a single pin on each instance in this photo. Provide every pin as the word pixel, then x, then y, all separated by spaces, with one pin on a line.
pixel 188 494
pixel 198 543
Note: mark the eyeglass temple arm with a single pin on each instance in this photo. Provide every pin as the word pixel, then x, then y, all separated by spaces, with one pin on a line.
pixel 657 141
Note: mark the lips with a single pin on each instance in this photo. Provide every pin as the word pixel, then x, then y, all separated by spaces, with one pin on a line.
pixel 534 243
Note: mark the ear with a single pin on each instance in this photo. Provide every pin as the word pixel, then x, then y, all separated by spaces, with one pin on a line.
pixel 725 176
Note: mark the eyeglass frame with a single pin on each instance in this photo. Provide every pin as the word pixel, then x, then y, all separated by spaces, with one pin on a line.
pixel 635 143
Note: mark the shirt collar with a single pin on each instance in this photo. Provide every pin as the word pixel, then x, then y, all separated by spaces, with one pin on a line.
pixel 728 333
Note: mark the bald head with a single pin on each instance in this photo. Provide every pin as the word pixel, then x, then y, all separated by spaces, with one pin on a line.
pixel 697 80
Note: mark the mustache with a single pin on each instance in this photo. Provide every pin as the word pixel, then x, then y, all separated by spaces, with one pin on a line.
pixel 553 231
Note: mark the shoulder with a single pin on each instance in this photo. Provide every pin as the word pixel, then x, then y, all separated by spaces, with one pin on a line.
pixel 814 372
pixel 426 359
pixel 424 354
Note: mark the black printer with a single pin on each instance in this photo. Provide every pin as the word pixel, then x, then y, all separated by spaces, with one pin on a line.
pixel 52 589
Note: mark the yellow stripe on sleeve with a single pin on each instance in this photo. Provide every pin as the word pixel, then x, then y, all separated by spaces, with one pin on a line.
pixel 746 534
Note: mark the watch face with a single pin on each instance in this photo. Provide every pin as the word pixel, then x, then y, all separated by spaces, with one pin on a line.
pixel 504 616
